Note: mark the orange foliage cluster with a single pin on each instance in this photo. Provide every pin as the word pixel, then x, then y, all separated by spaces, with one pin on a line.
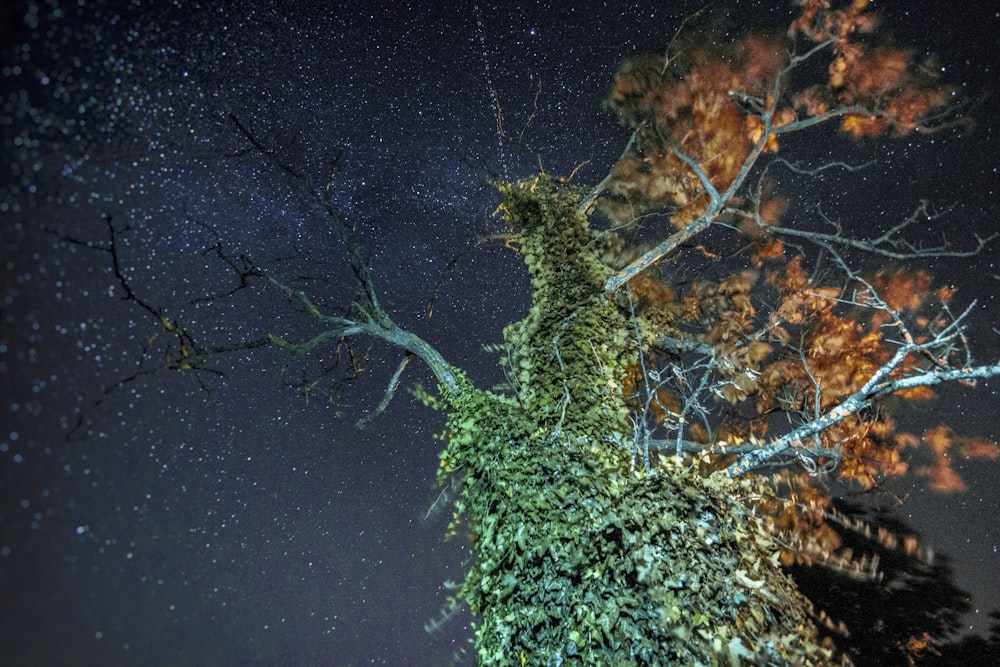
pixel 819 22
pixel 881 81
pixel 908 294
pixel 835 355
pixel 711 107
pixel 662 405
pixel 842 349
pixel 944 444
pixel 798 521
pixel 802 521
pixel 656 302
pixel 902 289
pixel 692 111
pixel 811 354
pixel 727 316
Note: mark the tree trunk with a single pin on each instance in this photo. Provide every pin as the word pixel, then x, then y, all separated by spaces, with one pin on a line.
pixel 583 557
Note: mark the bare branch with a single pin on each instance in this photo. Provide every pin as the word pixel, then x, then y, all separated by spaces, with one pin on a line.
pixel 891 243
pixel 370 318
pixel 390 391
pixel 376 324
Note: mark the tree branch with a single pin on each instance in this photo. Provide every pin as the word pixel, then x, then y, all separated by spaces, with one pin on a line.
pixel 373 322
pixel 371 319
pixel 891 243
pixel 858 401
pixel 717 200
pixel 881 383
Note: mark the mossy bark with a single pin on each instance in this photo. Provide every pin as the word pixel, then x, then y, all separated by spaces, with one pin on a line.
pixel 580 559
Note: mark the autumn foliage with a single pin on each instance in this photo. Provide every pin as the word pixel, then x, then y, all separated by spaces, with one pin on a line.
pixel 700 115
pixel 816 346
pixel 881 81
pixel 712 102
pixel 691 111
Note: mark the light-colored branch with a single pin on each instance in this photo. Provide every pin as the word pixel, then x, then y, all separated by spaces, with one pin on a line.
pixel 375 324
pixel 889 244
pixel 717 200
pixel 703 222
pixel 858 401
pixel 682 345
pixel 390 391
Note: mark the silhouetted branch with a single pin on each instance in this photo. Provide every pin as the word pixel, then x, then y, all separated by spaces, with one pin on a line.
pixel 892 243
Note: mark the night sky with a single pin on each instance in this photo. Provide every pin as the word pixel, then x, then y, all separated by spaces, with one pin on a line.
pixel 236 516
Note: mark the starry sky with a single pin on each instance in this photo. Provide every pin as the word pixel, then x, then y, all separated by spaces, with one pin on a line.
pixel 235 515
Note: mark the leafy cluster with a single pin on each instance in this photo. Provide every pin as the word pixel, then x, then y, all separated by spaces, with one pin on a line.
pixel 702 110
pixel 568 356
pixel 888 93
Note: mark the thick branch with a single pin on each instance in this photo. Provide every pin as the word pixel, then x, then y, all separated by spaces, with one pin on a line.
pixel 717 200
pixel 856 402
pixel 371 319
pixel 377 325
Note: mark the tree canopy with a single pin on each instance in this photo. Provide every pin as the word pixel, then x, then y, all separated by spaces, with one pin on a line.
pixel 651 485
pixel 587 549
pixel 595 483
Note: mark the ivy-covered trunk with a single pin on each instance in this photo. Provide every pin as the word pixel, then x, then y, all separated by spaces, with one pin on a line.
pixel 582 557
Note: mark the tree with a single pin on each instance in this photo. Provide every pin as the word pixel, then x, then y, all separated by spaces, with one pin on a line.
pixel 608 487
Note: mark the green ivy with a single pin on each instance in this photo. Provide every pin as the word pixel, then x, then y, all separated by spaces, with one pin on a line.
pixel 578 560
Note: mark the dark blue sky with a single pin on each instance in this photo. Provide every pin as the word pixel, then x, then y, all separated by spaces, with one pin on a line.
pixel 240 519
